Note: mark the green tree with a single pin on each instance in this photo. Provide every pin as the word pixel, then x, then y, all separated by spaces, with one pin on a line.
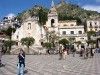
pixel 78 43
pixel 52 37
pixel 8 44
pixel 8 32
pixel 28 41
pixel 63 41
pixel 92 43
pixel 71 40
pixel 48 45
pixel 90 33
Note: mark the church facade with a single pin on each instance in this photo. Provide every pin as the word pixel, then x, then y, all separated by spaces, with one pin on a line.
pixel 29 28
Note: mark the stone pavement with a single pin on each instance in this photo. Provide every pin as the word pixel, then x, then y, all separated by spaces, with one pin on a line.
pixel 50 65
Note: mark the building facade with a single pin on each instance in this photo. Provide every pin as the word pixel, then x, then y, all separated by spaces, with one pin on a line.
pixel 65 29
pixel 9 21
pixel 71 29
pixel 93 25
pixel 29 28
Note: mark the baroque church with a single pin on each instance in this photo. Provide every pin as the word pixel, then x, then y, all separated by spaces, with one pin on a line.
pixel 64 29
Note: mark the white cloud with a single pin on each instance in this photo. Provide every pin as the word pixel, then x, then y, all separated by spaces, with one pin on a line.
pixel 11 15
pixel 97 0
pixel 92 7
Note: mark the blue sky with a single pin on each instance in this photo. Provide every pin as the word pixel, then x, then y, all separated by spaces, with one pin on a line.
pixel 17 6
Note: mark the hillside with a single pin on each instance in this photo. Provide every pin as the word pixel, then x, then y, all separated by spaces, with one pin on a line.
pixel 65 12
pixel 70 11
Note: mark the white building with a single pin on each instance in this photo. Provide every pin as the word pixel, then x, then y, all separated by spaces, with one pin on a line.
pixel 8 21
pixel 71 29
pixel 29 28
pixel 93 25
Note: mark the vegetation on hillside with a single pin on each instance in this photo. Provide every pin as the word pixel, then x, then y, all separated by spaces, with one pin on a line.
pixel 65 11
pixel 74 12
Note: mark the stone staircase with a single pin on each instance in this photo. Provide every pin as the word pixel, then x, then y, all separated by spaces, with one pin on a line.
pixel 32 50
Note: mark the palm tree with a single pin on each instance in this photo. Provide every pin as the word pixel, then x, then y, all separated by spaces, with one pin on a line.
pixel 28 41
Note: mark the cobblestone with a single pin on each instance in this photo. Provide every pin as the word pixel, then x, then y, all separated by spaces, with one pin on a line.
pixel 50 65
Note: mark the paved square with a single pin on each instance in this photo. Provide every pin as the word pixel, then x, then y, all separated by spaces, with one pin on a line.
pixel 50 65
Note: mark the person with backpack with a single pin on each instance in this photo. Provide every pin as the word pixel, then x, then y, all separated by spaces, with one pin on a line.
pixel 21 63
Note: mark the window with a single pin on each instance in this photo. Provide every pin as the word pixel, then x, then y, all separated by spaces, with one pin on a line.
pixel 72 24
pixel 29 26
pixel 17 36
pixel 17 43
pixel 80 32
pixel 95 29
pixel 95 23
pixel 72 32
pixel 65 25
pixel 91 24
pixel 52 22
pixel 64 32
pixel 81 38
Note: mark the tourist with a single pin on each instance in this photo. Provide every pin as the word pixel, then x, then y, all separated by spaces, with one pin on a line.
pixel 21 63
pixel 73 52
pixel 60 52
pixel 48 51
pixel 81 52
pixel 97 50
pixel 91 52
pixel 87 52
pixel 64 52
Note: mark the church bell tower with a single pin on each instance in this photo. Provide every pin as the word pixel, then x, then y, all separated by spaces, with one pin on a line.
pixel 52 22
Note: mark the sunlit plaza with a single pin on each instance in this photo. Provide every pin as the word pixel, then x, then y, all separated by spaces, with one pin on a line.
pixel 50 65
pixel 50 37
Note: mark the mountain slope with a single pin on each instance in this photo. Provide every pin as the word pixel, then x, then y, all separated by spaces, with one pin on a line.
pixel 65 12
pixel 70 11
